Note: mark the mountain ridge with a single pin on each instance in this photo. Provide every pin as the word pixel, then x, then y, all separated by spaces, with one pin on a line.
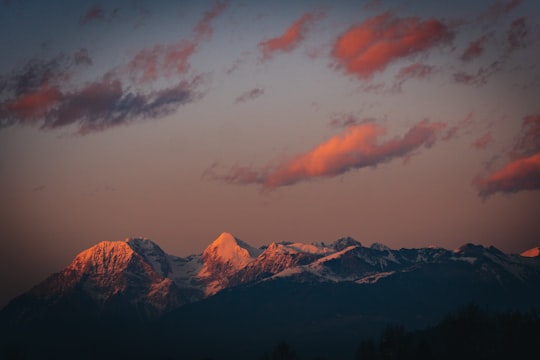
pixel 108 268
pixel 238 298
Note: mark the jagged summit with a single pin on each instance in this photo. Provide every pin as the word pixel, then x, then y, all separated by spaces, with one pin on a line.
pixel 379 247
pixel 469 249
pixel 345 242
pixel 103 258
pixel 534 252
pixel 152 253
pixel 138 277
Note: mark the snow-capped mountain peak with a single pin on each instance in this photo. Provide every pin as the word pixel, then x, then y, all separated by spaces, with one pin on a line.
pixel 152 253
pixel 534 252
pixel 103 258
pixel 222 258
pixel 227 248
pixel 344 242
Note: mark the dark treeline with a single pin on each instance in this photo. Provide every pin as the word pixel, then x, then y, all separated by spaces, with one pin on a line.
pixel 471 333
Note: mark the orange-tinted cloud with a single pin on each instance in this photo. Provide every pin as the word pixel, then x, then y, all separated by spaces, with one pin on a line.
pixel 290 39
pixel 518 175
pixel 482 141
pixel 357 147
pixel 34 104
pixel 522 172
pixel 97 106
pixel 370 46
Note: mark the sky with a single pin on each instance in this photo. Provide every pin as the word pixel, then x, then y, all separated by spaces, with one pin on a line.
pixel 408 123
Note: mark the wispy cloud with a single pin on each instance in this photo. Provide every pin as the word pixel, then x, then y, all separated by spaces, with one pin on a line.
pixel 249 95
pixel 482 141
pixel 499 9
pixel 474 49
pixel 93 13
pixel 517 34
pixel 82 57
pixel 290 39
pixel 204 28
pixel 522 171
pixel 39 94
pixel 517 175
pixel 373 44
pixel 97 13
pixel 97 106
pixel 148 64
pixel 358 146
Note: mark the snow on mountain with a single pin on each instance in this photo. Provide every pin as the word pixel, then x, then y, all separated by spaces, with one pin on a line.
pixel 152 253
pixel 534 252
pixel 109 275
pixel 344 242
pixel 276 258
pixel 379 247
pixel 137 276
pixel 223 258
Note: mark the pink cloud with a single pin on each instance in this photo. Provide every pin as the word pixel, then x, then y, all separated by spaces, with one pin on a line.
pixel 518 175
pixel 203 29
pixel 454 130
pixel 522 171
pixel 357 147
pixel 290 39
pixel 35 104
pixel 97 106
pixel 373 44
pixel 474 50
pixel 150 63
pixel 482 141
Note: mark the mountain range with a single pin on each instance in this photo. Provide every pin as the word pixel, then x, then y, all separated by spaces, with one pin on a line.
pixel 233 300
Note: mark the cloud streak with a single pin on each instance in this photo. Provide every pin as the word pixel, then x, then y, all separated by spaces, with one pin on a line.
pixel 518 175
pixel 249 95
pixel 290 39
pixel 522 171
pixel 482 141
pixel 474 50
pixel 359 146
pixel 148 64
pixel 96 106
pixel 370 46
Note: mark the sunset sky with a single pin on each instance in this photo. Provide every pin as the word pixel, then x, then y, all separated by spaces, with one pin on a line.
pixel 410 123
